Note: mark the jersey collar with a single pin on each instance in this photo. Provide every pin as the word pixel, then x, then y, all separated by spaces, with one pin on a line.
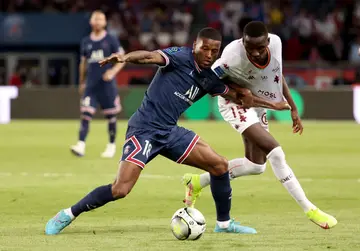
pixel 197 67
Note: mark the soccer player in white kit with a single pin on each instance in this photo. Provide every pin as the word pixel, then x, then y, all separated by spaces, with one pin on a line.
pixel 255 62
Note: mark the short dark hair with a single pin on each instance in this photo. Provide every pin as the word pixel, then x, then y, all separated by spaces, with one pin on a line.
pixel 243 22
pixel 210 33
pixel 255 29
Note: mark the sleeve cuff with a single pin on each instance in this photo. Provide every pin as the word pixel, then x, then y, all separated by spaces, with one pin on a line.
pixel 167 60
pixel 224 92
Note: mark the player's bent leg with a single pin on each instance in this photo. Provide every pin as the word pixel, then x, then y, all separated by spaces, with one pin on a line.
pixel 254 163
pixel 276 156
pixel 127 176
pixel 203 157
pixel 79 148
pixel 110 149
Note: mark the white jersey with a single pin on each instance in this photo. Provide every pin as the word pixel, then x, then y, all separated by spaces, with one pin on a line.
pixel 263 81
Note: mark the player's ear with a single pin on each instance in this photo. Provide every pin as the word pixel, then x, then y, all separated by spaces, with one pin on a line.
pixel 194 45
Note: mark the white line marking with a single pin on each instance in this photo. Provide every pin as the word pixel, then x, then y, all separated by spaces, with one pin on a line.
pixel 166 177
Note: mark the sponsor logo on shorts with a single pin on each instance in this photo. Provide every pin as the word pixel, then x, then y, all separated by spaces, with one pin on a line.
pixel 264 119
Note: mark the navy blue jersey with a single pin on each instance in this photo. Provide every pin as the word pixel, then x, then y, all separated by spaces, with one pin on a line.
pixel 96 50
pixel 174 88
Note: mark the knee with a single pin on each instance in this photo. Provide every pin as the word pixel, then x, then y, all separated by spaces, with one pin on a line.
pixel 220 167
pixel 87 116
pixel 255 168
pixel 119 191
pixel 111 118
pixel 259 169
pixel 276 156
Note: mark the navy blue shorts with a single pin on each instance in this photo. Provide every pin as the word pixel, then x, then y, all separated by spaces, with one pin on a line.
pixel 142 145
pixel 107 98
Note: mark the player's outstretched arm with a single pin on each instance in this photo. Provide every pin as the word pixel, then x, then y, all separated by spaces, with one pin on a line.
pixel 244 97
pixel 297 124
pixel 136 57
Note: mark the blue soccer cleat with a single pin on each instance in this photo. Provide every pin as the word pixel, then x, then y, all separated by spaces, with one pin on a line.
pixel 56 224
pixel 235 227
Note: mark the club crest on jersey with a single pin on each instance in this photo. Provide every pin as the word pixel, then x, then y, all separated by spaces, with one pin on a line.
pixel 226 66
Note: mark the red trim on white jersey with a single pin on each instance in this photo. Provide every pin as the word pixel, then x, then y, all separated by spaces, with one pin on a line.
pixel 188 149
pixel 137 149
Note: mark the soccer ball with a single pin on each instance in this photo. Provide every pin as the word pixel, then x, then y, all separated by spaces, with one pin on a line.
pixel 188 224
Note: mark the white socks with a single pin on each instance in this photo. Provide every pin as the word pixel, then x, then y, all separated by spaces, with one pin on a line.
pixel 243 167
pixel 223 224
pixel 69 213
pixel 237 167
pixel 285 175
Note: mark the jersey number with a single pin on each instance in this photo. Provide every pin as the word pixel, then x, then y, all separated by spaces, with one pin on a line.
pixel 147 149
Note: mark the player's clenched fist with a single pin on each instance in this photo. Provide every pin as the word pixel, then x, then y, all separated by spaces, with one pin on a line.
pixel 113 58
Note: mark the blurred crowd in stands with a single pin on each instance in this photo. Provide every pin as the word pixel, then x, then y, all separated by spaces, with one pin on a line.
pixel 311 30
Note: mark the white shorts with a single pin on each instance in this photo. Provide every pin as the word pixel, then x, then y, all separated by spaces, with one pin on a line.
pixel 239 118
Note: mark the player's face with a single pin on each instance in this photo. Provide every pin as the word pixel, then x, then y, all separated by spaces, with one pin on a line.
pixel 256 48
pixel 206 51
pixel 98 21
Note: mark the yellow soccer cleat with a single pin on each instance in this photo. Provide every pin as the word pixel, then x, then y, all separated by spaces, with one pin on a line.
pixel 192 188
pixel 324 220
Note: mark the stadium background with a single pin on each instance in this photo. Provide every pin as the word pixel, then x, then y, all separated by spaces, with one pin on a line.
pixel 39 54
pixel 40 48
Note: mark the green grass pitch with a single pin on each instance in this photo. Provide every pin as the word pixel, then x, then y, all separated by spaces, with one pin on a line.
pixel 39 176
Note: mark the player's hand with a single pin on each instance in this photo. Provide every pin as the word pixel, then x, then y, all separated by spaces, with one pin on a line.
pixel 108 75
pixel 81 88
pixel 297 124
pixel 281 106
pixel 113 58
pixel 247 101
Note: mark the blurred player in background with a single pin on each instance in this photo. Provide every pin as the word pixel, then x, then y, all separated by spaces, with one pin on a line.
pixel 97 85
pixel 255 62
pixel 184 76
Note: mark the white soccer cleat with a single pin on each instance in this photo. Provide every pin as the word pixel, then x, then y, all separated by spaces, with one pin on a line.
pixel 78 149
pixel 109 151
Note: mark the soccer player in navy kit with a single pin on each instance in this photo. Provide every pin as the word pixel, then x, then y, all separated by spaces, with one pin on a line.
pixel 184 76
pixel 97 85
